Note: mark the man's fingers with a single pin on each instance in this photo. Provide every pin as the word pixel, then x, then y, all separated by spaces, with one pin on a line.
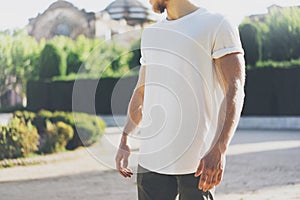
pixel 122 161
pixel 125 172
pixel 202 180
pixel 214 180
pixel 200 168
pixel 212 183
pixel 121 170
pixel 128 171
pixel 208 182
pixel 122 173
pixel 219 177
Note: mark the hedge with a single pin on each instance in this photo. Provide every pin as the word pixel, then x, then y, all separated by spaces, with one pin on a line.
pixel 269 92
pixel 272 92
pixel 57 95
pixel 276 64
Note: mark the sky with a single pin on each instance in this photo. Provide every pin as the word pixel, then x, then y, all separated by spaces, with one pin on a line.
pixel 15 13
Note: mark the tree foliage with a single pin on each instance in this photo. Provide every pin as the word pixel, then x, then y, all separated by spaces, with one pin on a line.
pixel 283 37
pixel 22 58
pixel 279 33
pixel 51 62
pixel 19 55
pixel 251 43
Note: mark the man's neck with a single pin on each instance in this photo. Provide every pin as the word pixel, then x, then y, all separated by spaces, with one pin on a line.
pixel 179 8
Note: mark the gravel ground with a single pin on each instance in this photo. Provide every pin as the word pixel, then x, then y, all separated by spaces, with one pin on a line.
pixel 261 165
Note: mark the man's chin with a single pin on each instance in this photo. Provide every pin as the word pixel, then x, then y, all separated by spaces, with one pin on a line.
pixel 158 11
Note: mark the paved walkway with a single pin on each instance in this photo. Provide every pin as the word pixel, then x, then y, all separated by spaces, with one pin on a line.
pixel 261 165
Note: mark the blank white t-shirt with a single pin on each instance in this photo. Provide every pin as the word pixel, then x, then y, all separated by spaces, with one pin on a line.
pixel 182 92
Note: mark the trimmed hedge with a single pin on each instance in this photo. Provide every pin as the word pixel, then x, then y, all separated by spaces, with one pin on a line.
pixel 269 92
pixel 275 64
pixel 57 95
pixel 272 92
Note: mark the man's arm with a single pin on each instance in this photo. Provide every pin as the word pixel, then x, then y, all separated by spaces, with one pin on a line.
pixel 231 71
pixel 134 116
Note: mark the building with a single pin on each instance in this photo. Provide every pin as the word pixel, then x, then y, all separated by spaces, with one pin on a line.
pixel 272 8
pixel 63 18
pixel 133 11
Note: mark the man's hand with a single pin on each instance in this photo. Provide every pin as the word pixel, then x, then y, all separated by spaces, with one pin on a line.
pixel 211 169
pixel 122 160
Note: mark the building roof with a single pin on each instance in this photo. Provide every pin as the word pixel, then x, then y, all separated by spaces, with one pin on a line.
pixel 60 4
pixel 128 10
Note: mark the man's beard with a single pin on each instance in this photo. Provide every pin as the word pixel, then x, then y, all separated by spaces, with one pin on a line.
pixel 160 6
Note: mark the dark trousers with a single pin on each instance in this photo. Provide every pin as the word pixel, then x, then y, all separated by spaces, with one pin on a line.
pixel 155 186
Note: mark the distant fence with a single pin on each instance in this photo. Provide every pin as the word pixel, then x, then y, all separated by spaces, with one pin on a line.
pixel 269 91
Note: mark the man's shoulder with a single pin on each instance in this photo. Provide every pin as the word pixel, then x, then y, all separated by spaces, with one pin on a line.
pixel 214 20
pixel 154 25
pixel 213 17
pixel 149 30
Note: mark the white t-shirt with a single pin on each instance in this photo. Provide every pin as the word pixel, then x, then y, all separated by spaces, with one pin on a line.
pixel 182 92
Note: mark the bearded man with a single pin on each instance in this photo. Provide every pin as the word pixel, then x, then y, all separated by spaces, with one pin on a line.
pixel 189 97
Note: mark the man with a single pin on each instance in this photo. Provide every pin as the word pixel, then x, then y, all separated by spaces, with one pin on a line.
pixel 189 96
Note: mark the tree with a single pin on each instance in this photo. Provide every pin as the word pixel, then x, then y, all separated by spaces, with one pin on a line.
pixel 18 59
pixel 278 35
pixel 283 38
pixel 51 62
pixel 73 62
pixel 251 43
pixel 136 55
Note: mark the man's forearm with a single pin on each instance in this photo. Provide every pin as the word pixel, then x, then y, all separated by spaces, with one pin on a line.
pixel 134 112
pixel 229 116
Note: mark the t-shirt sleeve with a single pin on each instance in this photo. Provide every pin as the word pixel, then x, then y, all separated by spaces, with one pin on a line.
pixel 142 59
pixel 227 40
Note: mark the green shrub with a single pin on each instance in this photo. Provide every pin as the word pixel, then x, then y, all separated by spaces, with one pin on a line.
pixel 48 132
pixel 55 137
pixel 18 139
pixel 87 129
pixel 52 62
pixel 24 115
pixel 40 120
